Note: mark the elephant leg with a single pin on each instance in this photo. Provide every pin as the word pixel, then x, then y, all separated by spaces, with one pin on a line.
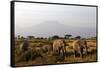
pixel 75 53
pixel 64 51
pixel 61 55
pixel 81 52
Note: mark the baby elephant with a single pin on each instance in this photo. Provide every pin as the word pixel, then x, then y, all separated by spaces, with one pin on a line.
pixel 46 48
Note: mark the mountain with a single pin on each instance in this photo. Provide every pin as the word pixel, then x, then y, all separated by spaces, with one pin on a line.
pixel 50 28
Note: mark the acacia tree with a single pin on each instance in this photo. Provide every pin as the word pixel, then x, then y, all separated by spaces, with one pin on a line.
pixel 67 36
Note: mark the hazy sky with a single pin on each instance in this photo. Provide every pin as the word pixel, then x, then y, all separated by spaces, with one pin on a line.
pixel 74 17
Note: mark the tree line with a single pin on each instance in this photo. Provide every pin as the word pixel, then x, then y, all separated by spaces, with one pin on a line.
pixel 67 36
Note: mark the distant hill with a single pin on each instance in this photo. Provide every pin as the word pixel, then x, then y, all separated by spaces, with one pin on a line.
pixel 50 28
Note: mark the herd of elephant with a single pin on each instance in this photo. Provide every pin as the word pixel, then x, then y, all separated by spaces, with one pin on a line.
pixel 58 47
pixel 79 47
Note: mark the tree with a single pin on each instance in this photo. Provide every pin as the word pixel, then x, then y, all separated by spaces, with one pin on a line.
pixel 67 36
pixel 30 37
pixel 18 37
pixel 55 37
pixel 22 38
pixel 78 37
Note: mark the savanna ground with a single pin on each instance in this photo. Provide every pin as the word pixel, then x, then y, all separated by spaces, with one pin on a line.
pixel 50 58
